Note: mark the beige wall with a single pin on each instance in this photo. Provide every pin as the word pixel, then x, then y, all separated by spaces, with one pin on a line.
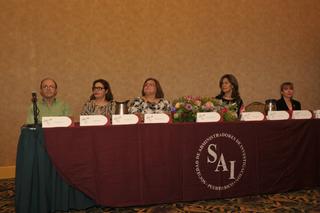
pixel 186 44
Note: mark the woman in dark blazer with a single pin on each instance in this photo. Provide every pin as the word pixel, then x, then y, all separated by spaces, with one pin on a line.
pixel 286 102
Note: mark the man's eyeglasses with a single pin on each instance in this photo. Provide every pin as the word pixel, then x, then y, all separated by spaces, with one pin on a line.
pixel 97 88
pixel 48 87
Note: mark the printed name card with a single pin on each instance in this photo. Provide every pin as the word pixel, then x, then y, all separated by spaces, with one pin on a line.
pixel 56 121
pixel 93 120
pixel 203 117
pixel 124 119
pixel 316 113
pixel 156 118
pixel 301 114
pixel 278 115
pixel 252 116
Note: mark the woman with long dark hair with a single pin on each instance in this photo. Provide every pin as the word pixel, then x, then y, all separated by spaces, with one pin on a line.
pixel 229 91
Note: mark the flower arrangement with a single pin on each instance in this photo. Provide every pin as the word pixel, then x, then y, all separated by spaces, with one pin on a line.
pixel 185 109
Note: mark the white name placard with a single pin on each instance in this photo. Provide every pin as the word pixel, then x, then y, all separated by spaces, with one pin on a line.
pixel 316 113
pixel 278 115
pixel 156 118
pixel 208 117
pixel 56 121
pixel 124 119
pixel 93 120
pixel 301 114
pixel 252 116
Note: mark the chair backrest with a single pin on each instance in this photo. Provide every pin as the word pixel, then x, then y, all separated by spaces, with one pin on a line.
pixel 255 107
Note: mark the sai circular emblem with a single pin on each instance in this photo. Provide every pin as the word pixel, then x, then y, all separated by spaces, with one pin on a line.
pixel 220 161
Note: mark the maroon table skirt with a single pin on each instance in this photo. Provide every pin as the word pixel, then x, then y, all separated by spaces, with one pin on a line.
pixel 161 163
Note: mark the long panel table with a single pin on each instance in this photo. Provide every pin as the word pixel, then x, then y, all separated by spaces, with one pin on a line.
pixel 159 163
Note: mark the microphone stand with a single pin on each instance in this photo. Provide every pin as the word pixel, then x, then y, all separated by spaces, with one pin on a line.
pixel 35 109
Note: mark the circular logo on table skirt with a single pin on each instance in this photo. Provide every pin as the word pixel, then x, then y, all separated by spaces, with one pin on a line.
pixel 220 161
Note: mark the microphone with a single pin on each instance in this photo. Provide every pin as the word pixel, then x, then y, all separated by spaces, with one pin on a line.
pixel 34 96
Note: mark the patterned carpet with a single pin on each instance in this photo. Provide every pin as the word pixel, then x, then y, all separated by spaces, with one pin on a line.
pixel 298 201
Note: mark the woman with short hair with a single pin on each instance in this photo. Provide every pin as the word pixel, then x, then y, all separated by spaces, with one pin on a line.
pixel 286 102
pixel 101 100
pixel 152 99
